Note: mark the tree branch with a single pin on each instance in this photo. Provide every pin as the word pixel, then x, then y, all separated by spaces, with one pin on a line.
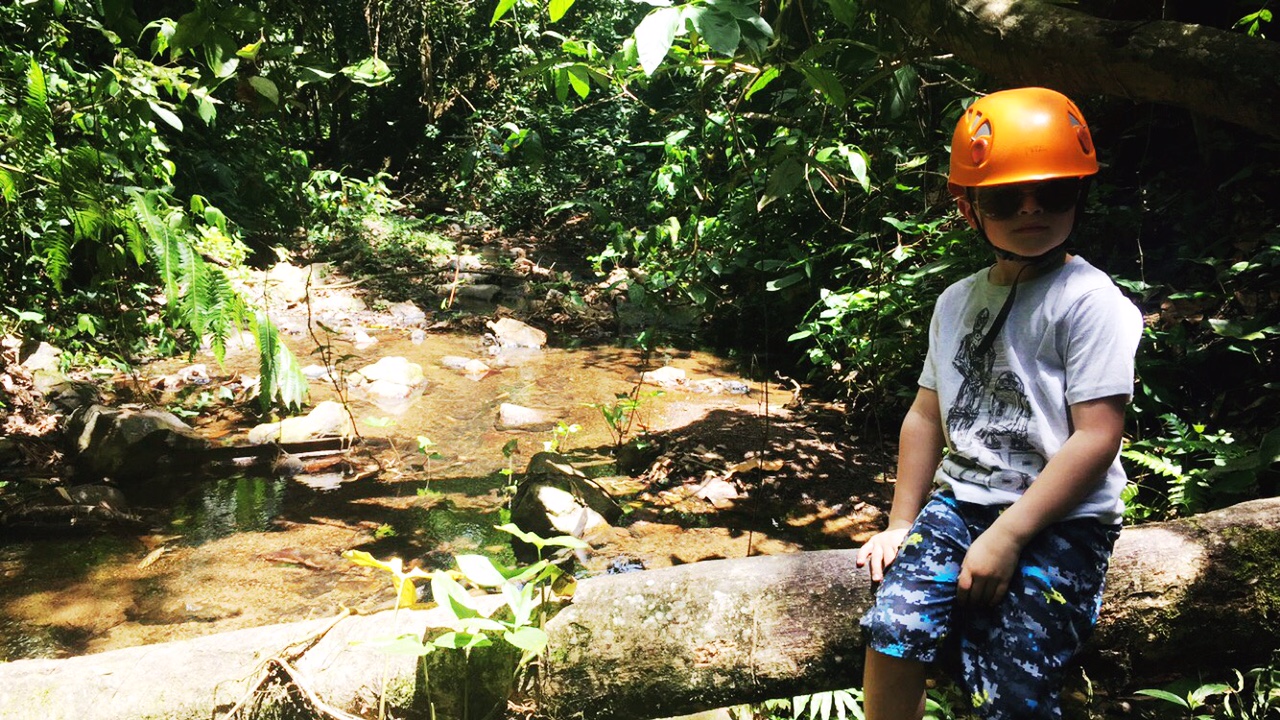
pixel 1225 75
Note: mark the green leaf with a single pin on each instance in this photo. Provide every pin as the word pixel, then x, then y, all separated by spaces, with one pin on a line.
pixel 1233 329
pixel 529 639
pixel 370 72
pixel 557 8
pixel 265 88
pixel 845 12
pixel 762 80
pixel 481 570
pixel 579 79
pixel 785 282
pixel 166 115
pixel 786 177
pixel 402 645
pixel 654 36
pixel 826 84
pixel 719 29
pixel 504 6
pixel 1166 696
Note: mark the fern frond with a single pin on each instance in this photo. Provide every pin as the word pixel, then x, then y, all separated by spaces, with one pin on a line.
pixel 8 186
pixel 1155 463
pixel 167 248
pixel 54 248
pixel 281 379
pixel 35 133
pixel 224 310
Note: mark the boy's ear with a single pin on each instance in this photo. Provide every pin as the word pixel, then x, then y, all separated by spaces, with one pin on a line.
pixel 967 210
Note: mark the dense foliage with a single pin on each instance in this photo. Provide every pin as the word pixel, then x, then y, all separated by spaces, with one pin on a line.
pixel 771 174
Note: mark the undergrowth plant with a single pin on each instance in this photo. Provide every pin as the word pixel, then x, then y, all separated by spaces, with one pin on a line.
pixel 526 592
pixel 1253 695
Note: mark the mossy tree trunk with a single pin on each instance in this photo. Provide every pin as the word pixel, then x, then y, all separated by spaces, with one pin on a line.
pixel 1197 593
pixel 1215 73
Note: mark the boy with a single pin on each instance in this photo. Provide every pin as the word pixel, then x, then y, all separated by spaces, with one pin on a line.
pixel 999 572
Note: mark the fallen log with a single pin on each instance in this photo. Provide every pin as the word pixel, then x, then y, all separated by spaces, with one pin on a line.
pixel 1200 592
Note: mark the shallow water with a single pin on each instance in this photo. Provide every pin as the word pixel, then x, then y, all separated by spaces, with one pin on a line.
pixel 247 550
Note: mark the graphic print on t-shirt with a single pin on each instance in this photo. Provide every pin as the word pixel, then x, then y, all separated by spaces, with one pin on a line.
pixel 990 412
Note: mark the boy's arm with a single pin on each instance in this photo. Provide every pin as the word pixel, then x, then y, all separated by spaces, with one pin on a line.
pixel 919 450
pixel 1071 474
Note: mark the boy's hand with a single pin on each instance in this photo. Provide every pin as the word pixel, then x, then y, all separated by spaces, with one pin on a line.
pixel 987 569
pixel 879 552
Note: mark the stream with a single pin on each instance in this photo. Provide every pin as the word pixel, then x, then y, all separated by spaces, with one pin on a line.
pixel 236 551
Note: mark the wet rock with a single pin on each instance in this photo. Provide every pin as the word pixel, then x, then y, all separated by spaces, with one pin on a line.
pixel 97 495
pixel 517 417
pixel 328 419
pixel 362 340
pixel 418 336
pixel 406 314
pixel 716 386
pixel 509 332
pixel 40 358
pixel 665 376
pixel 478 292
pixel 391 378
pixel 128 444
pixel 473 368
pixel 397 370
pixel 70 396
pixel 554 498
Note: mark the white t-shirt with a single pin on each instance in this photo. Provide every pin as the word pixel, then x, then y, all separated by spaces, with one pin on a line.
pixel 1069 337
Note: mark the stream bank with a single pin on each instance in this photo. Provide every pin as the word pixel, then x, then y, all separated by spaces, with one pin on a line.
pixel 731 474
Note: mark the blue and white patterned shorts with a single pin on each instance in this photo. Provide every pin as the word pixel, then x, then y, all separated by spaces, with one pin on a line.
pixel 1009 658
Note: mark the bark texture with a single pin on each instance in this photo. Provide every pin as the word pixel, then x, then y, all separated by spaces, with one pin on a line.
pixel 1211 72
pixel 1199 592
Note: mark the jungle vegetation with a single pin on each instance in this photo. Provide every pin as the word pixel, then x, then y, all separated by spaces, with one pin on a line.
pixel 771 173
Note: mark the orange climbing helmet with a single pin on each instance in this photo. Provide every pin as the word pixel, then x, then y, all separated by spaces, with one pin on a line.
pixel 1020 135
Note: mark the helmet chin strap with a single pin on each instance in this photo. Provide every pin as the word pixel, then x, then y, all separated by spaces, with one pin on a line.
pixel 1044 259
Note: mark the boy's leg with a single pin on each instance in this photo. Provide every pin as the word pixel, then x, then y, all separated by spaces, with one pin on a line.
pixel 911 619
pixel 892 688
pixel 1013 656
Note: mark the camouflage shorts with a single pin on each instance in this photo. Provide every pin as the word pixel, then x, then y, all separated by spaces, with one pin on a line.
pixel 1009 659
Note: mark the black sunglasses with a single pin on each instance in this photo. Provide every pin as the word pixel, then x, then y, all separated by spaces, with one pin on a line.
pixel 1002 202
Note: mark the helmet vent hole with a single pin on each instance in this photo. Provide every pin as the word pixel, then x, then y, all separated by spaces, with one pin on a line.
pixel 1086 142
pixel 980 149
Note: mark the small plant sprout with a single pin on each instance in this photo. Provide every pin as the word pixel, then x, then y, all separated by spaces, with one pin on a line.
pixel 509 453
pixel 559 441
pixel 424 446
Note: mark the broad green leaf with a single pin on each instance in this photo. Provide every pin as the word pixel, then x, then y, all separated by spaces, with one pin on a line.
pixel 785 282
pixel 504 6
pixel 266 89
pixel 402 645
pixel 557 8
pixel 452 597
pixel 370 72
pixel 845 12
pixel 166 115
pixel 654 36
pixel 461 641
pixel 308 75
pixel 250 51
pixel 481 570
pixel 786 177
pixel 1233 329
pixel 762 80
pixel 719 29
pixel 579 80
pixel 825 83
pixel 529 639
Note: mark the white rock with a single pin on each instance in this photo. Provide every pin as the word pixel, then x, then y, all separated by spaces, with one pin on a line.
pixel 327 419
pixel 664 376
pixel 393 369
pixel 510 332
pixel 516 417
